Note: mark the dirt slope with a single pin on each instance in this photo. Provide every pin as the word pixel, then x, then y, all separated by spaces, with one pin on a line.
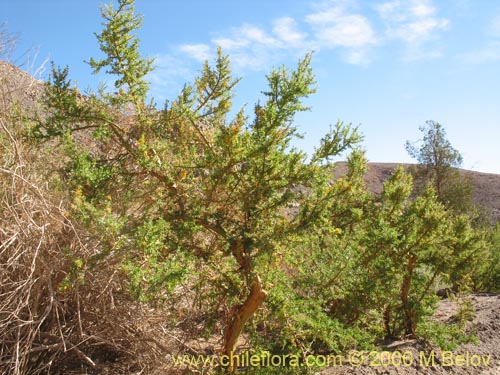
pixel 26 91
pixel 18 86
pixel 486 185
pixel 469 359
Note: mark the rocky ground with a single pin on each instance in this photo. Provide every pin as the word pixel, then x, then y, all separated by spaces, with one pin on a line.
pixel 482 358
pixel 486 186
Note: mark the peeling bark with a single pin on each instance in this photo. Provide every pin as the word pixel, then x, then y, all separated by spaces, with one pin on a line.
pixel 410 322
pixel 240 314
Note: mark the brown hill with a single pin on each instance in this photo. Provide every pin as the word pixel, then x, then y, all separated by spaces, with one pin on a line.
pixel 19 87
pixel 24 89
pixel 113 325
pixel 486 185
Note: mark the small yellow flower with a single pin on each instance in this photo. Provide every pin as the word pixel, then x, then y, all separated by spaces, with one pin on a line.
pixel 182 174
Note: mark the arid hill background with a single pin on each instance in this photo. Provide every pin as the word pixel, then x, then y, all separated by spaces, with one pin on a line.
pixel 127 337
pixel 27 90
pixel 486 186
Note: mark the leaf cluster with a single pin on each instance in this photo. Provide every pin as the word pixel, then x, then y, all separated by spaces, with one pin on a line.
pixel 192 194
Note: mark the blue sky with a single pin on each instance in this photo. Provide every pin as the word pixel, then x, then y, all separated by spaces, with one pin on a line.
pixel 386 65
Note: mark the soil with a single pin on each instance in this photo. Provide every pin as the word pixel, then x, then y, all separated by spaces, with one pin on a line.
pixel 22 88
pixel 465 360
pixel 485 325
pixel 486 186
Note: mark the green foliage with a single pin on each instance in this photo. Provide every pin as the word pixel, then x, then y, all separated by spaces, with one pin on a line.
pixel 155 269
pixel 185 194
pixel 75 276
pixel 121 48
pixel 436 151
pixel 298 315
pixel 437 164
pixel 375 262
pixel 446 336
pixel 405 252
pixel 450 334
pixel 163 188
pixel 487 275
pixel 465 312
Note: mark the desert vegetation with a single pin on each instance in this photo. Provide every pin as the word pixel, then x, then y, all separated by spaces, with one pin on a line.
pixel 130 231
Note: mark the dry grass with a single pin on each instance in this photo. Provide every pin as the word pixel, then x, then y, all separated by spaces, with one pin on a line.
pixel 34 237
pixel 59 312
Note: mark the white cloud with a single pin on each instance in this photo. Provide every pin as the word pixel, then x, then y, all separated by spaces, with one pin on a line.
pixel 415 23
pixel 251 47
pixel 488 53
pixel 257 35
pixel 286 30
pixel 389 10
pixel 336 25
pixel 331 26
pixel 412 21
pixel 494 27
pixel 349 31
pixel 325 17
pixel 417 53
pixel 357 57
pixel 199 52
pixel 229 44
pixel 245 36
pixel 422 9
pixel 490 50
pixel 170 74
pixel 420 30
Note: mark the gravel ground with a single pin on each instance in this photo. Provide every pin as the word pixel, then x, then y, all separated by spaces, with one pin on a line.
pixel 482 358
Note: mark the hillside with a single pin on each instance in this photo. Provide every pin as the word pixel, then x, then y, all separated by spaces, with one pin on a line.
pixel 18 86
pixel 91 323
pixel 486 185
pixel 24 89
